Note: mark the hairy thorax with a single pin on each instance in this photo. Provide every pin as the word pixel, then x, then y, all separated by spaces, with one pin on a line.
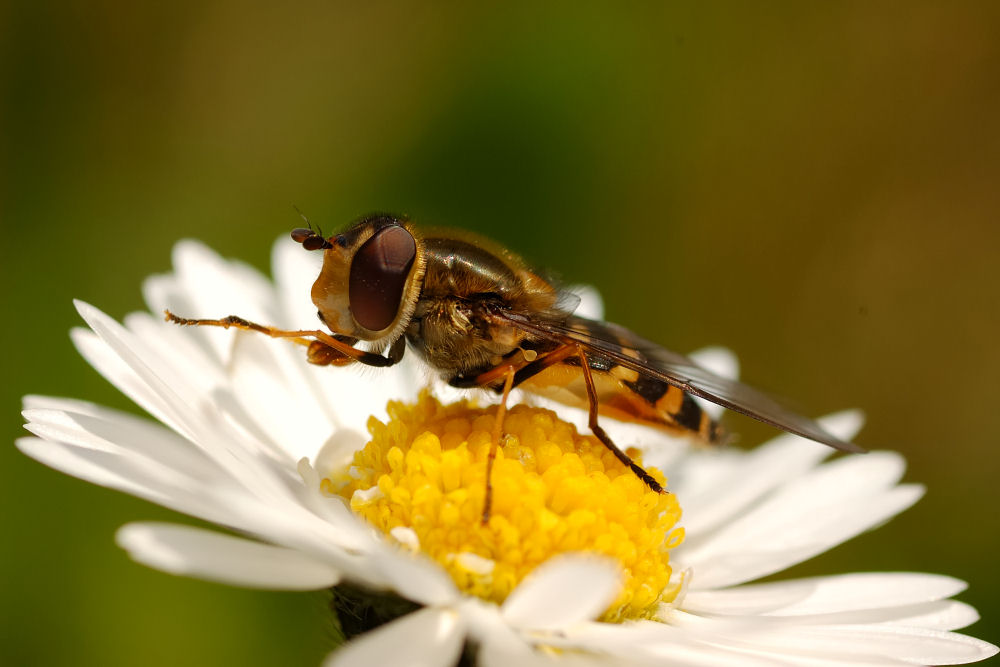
pixel 453 336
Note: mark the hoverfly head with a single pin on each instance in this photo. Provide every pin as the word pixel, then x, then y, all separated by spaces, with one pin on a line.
pixel 371 277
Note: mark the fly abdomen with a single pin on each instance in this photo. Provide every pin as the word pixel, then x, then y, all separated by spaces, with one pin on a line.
pixel 644 398
pixel 675 407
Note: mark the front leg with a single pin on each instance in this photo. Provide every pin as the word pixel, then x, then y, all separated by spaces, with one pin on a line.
pixel 321 354
pixel 325 348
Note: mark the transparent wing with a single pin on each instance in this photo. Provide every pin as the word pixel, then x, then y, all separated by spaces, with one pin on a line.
pixel 618 344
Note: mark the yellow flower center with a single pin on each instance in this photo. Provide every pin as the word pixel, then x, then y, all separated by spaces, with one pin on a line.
pixel 422 481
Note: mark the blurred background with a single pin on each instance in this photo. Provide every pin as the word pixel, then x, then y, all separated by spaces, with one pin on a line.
pixel 813 185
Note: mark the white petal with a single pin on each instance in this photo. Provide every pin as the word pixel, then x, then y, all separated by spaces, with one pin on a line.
pixel 747 600
pixel 120 433
pixel 150 481
pixel 105 361
pixel 429 637
pixel 208 386
pixel 213 287
pixel 295 270
pixel 733 559
pixel 159 378
pixel 563 591
pixel 71 405
pixel 204 554
pixel 332 510
pixel 766 640
pixel 492 654
pixel 874 590
pixel 721 361
pixel 276 394
pixel 501 654
pixel 165 292
pixel 650 643
pixel 937 615
pixel 747 477
pixel 74 461
pixel 845 424
pixel 296 416
pixel 414 576
pixel 805 517
pixel 915 645
pixel 338 450
pixel 826 595
pixel 850 477
pixel 841 660
pixel 940 615
pixel 354 393
pixel 200 369
pixel 270 505
pixel 130 363
pixel 499 643
pixel 591 304
pixel 224 504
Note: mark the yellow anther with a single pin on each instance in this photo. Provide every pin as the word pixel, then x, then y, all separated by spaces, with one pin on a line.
pixel 553 491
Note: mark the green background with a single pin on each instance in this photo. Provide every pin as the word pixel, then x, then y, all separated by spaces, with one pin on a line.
pixel 815 185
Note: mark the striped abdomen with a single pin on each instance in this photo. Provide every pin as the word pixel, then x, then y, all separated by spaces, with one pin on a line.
pixel 623 393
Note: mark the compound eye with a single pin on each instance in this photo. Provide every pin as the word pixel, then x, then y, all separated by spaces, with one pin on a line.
pixel 378 276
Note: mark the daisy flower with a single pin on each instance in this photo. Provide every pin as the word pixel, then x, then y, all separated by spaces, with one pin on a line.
pixel 361 482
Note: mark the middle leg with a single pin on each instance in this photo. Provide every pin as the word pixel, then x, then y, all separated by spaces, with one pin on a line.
pixel 508 384
pixel 602 434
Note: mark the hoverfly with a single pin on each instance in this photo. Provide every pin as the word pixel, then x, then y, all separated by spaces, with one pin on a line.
pixel 477 314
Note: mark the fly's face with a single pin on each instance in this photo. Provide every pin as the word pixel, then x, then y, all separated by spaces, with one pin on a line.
pixel 371 278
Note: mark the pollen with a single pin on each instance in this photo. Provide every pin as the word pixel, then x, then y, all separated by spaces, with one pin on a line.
pixel 422 481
